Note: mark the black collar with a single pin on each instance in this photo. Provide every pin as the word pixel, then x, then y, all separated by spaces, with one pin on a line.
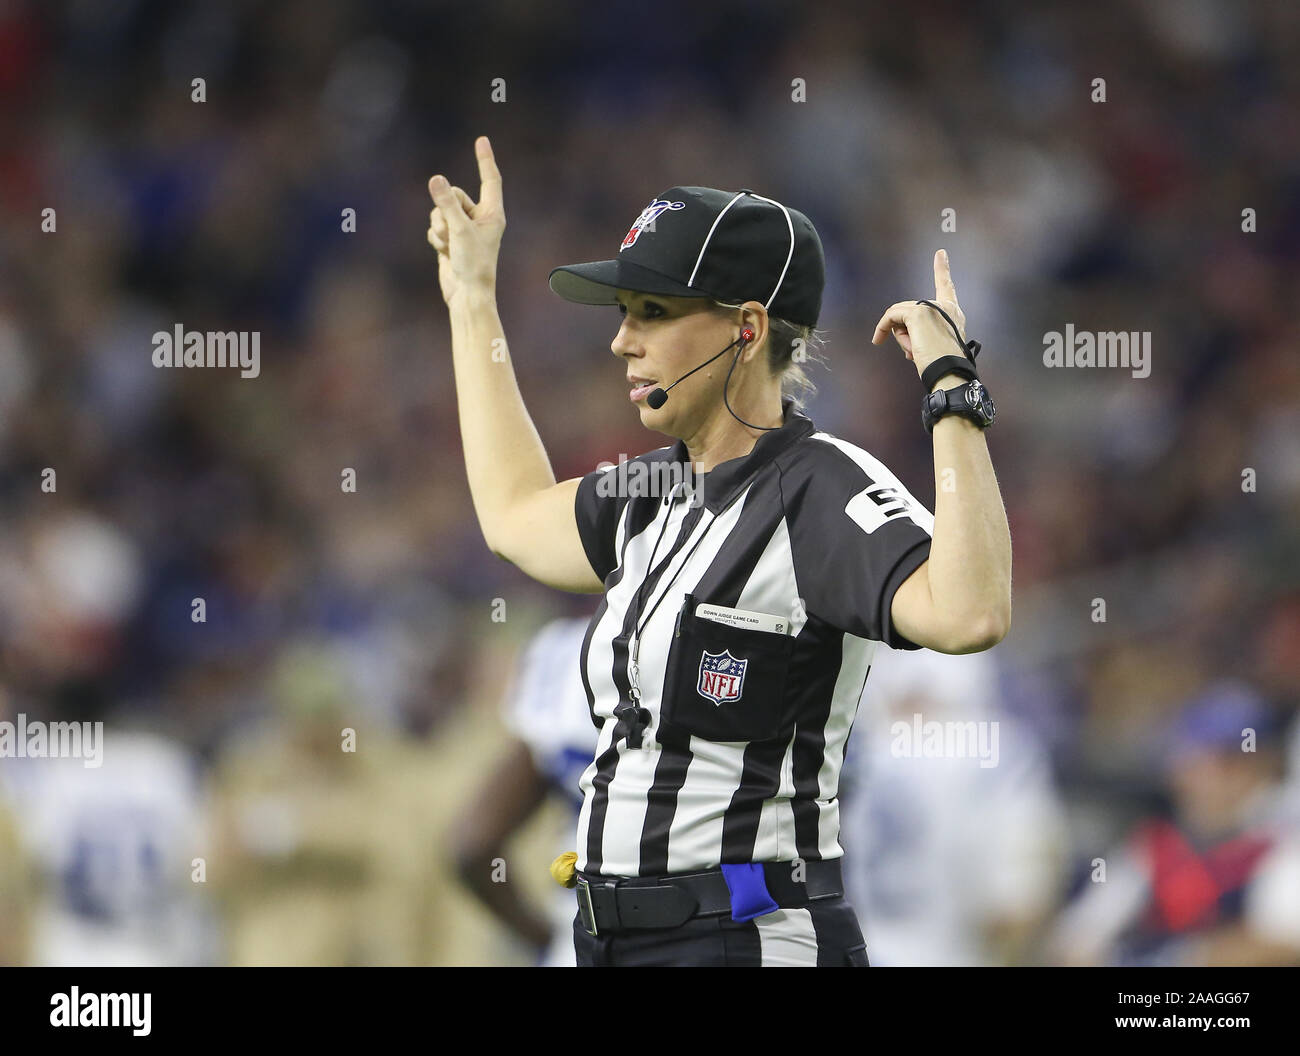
pixel 719 482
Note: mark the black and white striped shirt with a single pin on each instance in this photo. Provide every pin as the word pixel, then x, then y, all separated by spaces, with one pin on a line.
pixel 739 760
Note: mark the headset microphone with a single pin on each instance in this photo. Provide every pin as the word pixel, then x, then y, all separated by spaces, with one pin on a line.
pixel 658 397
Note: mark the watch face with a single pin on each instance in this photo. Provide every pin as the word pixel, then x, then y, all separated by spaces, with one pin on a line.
pixel 978 399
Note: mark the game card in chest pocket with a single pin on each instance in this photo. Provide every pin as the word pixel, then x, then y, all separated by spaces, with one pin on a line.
pixel 726 674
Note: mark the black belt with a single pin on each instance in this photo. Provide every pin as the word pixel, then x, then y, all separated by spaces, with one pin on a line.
pixel 611 903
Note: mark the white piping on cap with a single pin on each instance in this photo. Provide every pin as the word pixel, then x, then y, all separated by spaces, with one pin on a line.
pixel 718 219
pixel 707 238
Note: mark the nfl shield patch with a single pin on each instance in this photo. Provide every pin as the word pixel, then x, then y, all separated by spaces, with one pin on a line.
pixel 722 677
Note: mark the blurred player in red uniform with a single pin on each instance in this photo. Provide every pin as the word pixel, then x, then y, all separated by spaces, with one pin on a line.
pixel 1218 882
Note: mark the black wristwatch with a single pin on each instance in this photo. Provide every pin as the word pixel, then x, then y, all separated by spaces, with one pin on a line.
pixel 971 400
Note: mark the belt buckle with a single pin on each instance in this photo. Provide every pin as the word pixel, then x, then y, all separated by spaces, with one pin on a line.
pixel 585 910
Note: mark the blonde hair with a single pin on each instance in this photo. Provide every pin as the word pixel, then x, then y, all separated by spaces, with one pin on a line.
pixel 789 347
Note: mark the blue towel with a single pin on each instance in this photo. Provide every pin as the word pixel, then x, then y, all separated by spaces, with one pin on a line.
pixel 748 888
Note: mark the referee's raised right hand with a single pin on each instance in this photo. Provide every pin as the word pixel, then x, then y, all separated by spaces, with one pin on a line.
pixel 467 235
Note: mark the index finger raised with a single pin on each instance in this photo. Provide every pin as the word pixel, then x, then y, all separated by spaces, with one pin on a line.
pixel 944 290
pixel 489 174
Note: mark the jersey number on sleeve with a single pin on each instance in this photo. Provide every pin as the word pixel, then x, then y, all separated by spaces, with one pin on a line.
pixel 875 505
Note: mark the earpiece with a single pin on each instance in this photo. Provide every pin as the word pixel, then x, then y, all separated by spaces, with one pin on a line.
pixel 746 335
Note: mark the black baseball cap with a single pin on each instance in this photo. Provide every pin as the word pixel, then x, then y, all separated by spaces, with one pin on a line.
pixel 700 242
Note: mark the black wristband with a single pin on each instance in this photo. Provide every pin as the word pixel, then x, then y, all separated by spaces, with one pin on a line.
pixel 947 365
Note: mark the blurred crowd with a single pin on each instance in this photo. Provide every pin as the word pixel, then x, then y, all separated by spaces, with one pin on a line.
pixel 1111 166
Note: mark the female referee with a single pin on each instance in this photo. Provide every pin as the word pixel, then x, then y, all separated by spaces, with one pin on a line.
pixel 748 570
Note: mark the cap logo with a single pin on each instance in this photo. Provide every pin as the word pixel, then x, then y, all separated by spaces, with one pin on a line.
pixel 646 220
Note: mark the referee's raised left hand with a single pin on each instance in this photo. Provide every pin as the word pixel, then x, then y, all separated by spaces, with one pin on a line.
pixel 919 329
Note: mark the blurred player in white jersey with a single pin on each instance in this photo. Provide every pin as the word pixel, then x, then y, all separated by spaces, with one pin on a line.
pixel 950 859
pixel 546 710
pixel 112 847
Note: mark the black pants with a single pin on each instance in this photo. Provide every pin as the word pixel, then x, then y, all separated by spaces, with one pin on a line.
pixel 824 935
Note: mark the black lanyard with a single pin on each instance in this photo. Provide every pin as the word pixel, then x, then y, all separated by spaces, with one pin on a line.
pixel 634 674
